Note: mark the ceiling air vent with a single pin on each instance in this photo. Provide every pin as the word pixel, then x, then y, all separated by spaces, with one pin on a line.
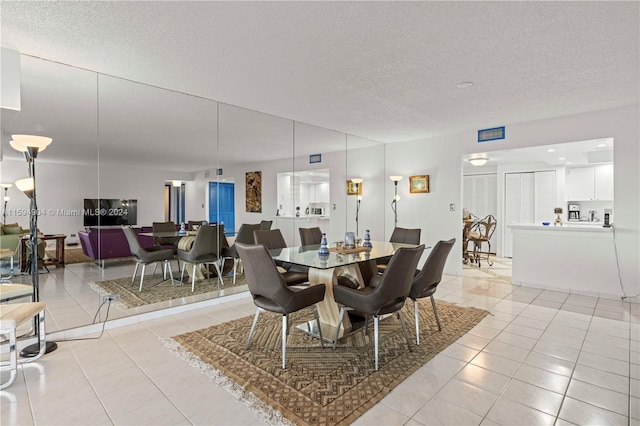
pixel 486 135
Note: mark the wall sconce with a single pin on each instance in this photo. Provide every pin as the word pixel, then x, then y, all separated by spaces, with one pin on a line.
pixel 480 161
pixel 394 203
pixel 6 187
pixel 31 146
pixel 357 182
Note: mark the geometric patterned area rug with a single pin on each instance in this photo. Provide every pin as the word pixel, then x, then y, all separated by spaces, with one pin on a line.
pixel 155 289
pixel 320 386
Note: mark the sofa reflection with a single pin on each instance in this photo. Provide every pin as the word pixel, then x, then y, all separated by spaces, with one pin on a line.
pixel 105 243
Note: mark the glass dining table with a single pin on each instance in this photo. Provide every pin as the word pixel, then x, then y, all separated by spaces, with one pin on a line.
pixel 326 270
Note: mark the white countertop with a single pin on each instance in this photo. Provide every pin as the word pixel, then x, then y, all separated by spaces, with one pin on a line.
pixel 566 227
pixel 302 216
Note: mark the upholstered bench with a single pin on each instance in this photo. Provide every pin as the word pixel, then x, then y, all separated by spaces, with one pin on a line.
pixel 10 291
pixel 11 316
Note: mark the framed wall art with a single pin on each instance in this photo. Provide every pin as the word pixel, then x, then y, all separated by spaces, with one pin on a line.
pixel 253 192
pixel 419 184
pixel 353 188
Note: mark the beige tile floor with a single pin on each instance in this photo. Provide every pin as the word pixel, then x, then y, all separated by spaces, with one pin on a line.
pixel 541 357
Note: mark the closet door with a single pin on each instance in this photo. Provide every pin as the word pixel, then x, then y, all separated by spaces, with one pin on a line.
pixel 545 196
pixel 511 209
pixel 518 203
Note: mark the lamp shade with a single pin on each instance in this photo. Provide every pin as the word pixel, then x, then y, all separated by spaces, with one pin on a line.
pixel 478 161
pixel 23 142
pixel 395 178
pixel 26 186
pixel 6 185
pixel 357 180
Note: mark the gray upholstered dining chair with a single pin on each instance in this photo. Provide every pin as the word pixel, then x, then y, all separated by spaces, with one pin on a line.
pixel 310 236
pixel 145 256
pixel 244 236
pixel 426 281
pixel 165 242
pixel 388 296
pixel 271 293
pixel 265 225
pixel 272 240
pixel 203 251
pixel 400 235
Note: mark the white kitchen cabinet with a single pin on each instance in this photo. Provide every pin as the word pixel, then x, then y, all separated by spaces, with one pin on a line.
pixel 590 183
pixel 603 182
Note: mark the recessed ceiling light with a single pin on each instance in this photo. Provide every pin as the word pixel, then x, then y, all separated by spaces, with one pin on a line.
pixel 464 84
pixel 568 162
pixel 562 158
pixel 551 150
pixel 601 145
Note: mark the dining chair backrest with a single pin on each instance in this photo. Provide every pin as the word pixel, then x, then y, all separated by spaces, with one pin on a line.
pixel 309 236
pixel 205 242
pixel 164 227
pixel 192 225
pixel 271 239
pixel 425 282
pixel 263 278
pixel 405 235
pixel 245 233
pixel 265 225
pixel 395 283
pixel 134 244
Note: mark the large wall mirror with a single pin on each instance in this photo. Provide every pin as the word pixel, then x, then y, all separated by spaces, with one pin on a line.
pixel 167 156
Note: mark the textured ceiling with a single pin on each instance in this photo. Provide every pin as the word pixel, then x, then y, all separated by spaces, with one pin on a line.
pixel 382 70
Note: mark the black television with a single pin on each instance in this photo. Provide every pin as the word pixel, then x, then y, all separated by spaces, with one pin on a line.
pixel 110 212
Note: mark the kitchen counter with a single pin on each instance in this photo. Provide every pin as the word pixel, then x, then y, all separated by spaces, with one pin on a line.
pixel 576 258
pixel 566 227
pixel 289 225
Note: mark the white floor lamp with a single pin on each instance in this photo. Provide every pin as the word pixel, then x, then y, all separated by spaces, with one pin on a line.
pixel 31 146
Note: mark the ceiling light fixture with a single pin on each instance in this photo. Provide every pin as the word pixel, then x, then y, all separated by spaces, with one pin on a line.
pixel 481 161
pixel 551 150
pixel 601 145
pixel 464 84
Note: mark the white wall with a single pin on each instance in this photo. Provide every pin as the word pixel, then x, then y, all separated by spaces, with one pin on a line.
pixel 61 188
pixel 440 157
pixel 367 163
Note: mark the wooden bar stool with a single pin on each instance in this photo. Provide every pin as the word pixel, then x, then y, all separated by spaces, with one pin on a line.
pixel 11 316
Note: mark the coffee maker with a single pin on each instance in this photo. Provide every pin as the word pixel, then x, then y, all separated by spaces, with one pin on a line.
pixel 574 212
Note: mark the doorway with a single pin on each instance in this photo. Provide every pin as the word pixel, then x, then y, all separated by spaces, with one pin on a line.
pixel 222 204
pixel 174 201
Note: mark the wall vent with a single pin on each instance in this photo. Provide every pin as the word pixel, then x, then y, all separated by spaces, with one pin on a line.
pixel 493 134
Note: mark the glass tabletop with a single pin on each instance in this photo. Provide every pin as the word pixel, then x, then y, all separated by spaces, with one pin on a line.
pixel 308 255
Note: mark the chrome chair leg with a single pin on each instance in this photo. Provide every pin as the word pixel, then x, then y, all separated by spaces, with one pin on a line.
pixel 417 320
pixel 435 312
pixel 167 265
pixel 155 266
pixel 182 271
pixel 375 338
pixel 315 312
pixel 135 272
pixel 340 318
pixel 235 269
pixel 193 278
pixel 142 276
pixel 253 327
pixel 285 328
